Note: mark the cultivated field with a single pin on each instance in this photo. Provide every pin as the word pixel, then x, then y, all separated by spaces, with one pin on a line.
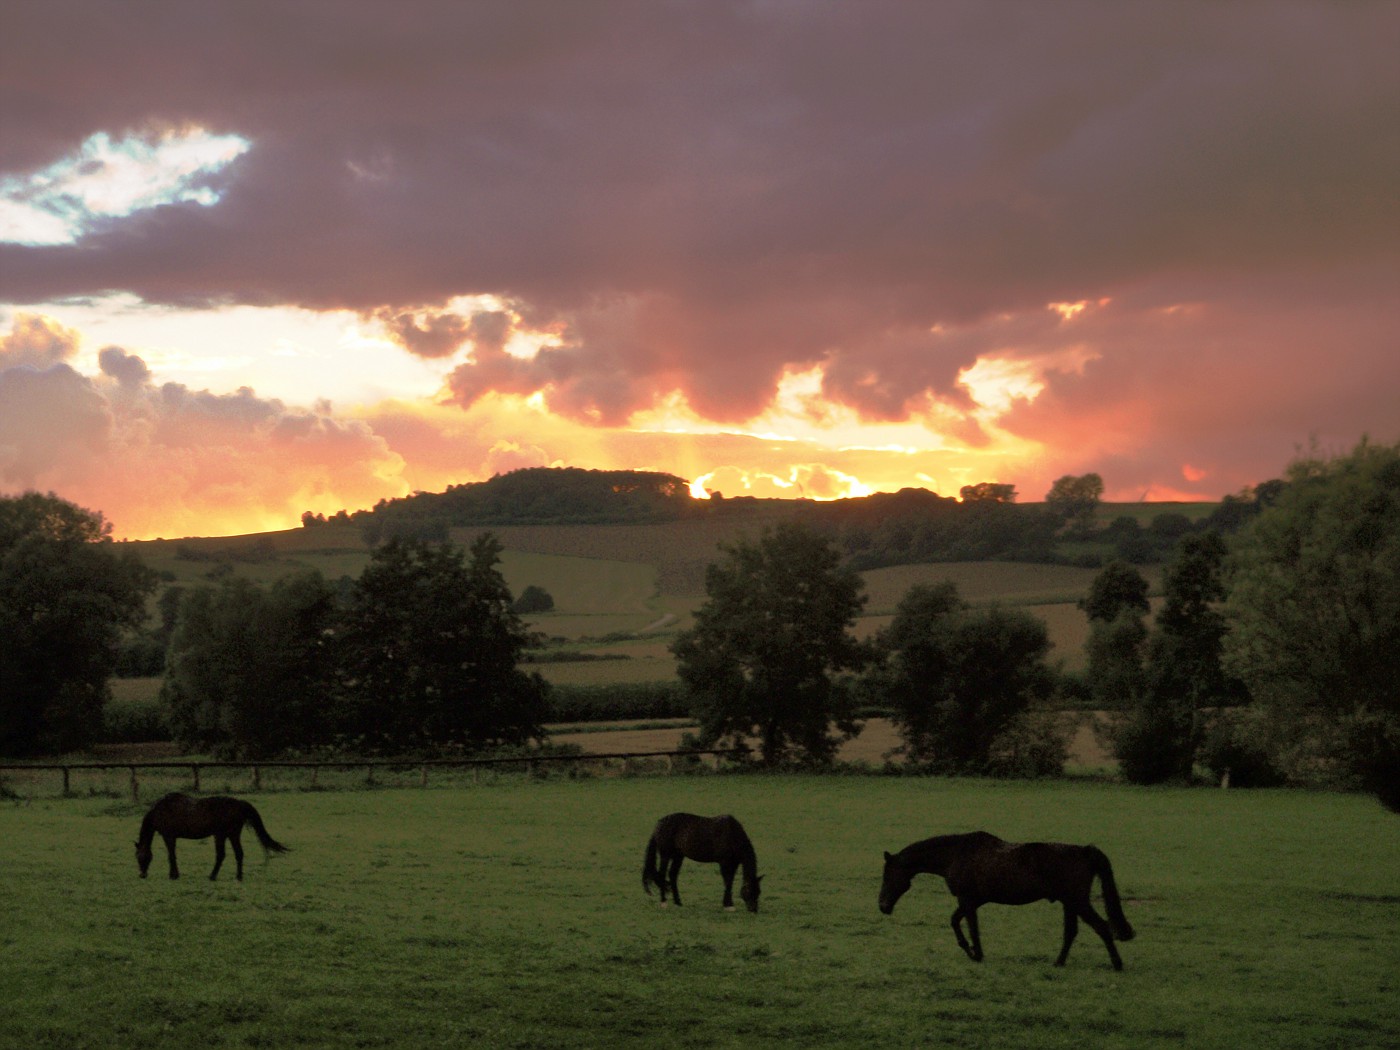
pixel 627 590
pixel 513 916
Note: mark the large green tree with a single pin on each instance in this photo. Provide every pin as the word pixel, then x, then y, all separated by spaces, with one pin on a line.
pixel 430 651
pixel 67 595
pixel 1160 734
pixel 765 656
pixel 961 680
pixel 249 669
pixel 1314 613
pixel 1117 607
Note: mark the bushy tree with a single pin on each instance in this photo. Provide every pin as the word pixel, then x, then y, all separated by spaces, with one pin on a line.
pixel 533 599
pixel 67 595
pixel 249 669
pixel 768 645
pixel 430 651
pixel 1116 606
pixel 1117 588
pixel 1075 498
pixel 1314 613
pixel 1159 734
pixel 988 491
pixel 961 681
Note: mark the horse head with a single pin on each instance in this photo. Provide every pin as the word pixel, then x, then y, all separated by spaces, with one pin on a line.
pixel 143 858
pixel 895 883
pixel 750 890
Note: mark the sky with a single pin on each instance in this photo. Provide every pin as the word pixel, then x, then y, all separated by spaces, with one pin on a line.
pixel 259 258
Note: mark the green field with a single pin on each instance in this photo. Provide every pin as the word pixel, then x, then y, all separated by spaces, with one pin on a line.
pixel 513 916
pixel 627 590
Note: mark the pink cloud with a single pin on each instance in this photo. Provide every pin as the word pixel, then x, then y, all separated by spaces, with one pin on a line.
pixel 168 460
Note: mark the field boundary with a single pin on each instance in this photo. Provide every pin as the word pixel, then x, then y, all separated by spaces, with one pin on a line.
pixel 525 762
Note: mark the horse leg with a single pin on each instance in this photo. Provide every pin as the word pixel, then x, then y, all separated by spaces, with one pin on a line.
pixel 170 849
pixel 958 914
pixel 218 856
pixel 976 952
pixel 673 873
pixel 1101 927
pixel 1071 928
pixel 727 872
pixel 236 841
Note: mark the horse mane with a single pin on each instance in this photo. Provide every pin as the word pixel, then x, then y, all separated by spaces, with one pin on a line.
pixel 926 849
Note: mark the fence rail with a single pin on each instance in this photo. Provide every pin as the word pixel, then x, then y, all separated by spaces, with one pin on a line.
pixel 371 764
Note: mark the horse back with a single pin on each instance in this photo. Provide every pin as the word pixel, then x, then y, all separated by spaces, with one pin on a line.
pixel 703 839
pixel 1019 873
pixel 185 817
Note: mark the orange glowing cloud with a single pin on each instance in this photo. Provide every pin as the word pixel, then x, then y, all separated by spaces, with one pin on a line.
pixel 167 460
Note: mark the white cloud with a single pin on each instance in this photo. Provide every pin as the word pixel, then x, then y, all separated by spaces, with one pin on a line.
pixel 109 178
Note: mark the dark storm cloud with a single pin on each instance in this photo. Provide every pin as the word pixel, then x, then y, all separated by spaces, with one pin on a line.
pixel 696 196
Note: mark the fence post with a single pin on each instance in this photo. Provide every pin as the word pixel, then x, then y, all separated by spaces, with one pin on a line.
pixel 257 778
pixel 135 797
pixel 65 781
pixel 424 782
pixel 314 771
pixel 194 768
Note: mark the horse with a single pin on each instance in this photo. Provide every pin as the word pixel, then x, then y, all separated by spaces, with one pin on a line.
pixel 178 816
pixel 710 840
pixel 982 869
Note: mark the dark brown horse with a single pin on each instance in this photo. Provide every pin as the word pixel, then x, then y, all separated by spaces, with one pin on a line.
pixel 982 869
pixel 710 840
pixel 178 816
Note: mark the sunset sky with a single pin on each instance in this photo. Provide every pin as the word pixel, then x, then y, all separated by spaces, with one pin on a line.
pixel 262 258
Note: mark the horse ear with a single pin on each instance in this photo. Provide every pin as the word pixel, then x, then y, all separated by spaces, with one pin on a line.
pixel 888 858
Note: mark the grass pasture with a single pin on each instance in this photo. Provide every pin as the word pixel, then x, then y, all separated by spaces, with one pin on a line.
pixel 512 916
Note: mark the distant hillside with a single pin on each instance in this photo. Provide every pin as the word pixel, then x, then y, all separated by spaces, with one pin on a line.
pixel 911 526
pixel 534 496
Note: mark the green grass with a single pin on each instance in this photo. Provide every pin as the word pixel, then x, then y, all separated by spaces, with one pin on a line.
pixel 1012 583
pixel 1143 513
pixel 513 916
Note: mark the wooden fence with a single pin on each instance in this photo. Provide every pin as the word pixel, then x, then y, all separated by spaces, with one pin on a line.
pixel 476 765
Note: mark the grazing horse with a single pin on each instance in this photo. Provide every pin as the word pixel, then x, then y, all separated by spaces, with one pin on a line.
pixel 710 840
pixel 982 869
pixel 178 816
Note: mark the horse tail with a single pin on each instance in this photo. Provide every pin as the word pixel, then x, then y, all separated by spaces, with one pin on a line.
pixel 268 842
pixel 1113 904
pixel 650 873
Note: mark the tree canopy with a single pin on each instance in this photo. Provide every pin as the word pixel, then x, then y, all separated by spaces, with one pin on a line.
pixel 768 644
pixel 1075 498
pixel 1314 612
pixel 66 596
pixel 959 679
pixel 249 669
pixel 430 650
